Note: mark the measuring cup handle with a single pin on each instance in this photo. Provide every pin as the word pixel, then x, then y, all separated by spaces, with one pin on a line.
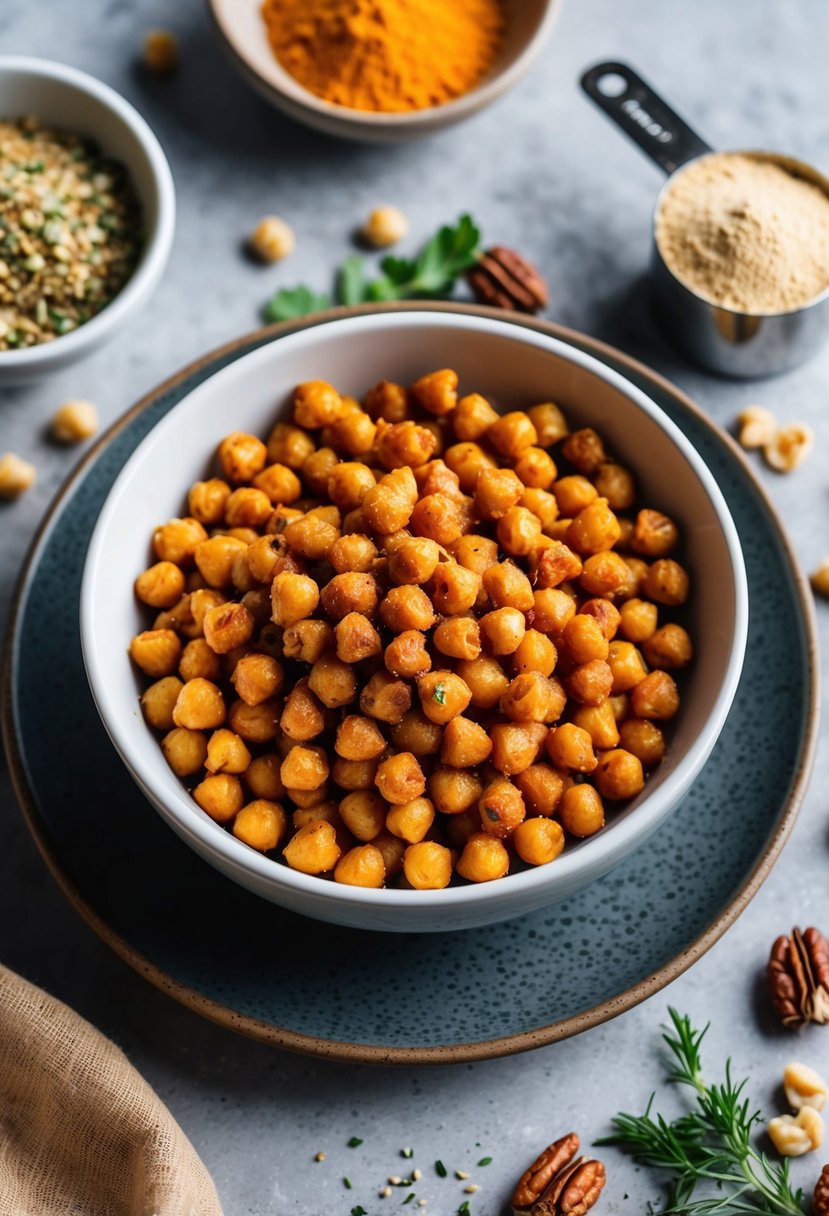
pixel 643 115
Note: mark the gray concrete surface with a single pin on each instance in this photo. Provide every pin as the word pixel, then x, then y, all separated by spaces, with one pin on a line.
pixel 544 171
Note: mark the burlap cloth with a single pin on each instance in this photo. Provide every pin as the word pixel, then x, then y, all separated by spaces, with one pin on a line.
pixel 81 1133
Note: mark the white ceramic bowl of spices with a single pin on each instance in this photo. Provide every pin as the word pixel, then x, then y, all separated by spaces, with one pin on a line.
pixel 383 71
pixel 87 215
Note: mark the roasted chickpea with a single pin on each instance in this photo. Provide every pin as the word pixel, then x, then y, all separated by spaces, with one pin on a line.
pixel 404 444
pixel 454 588
pixel 483 859
pixel 289 445
pixel 414 560
pixel 615 483
pixel 475 552
pixel 261 825
pixel 438 518
pixel 536 468
pixel 391 848
pixel 626 666
pixel 669 647
pixel 302 716
pixel 541 788
pixel 176 541
pixel 508 587
pixel 353 434
pixel 551 610
pixel 655 534
pixel 363 866
pixel 364 814
pixel 518 532
pixel 583 639
pixel 206 500
pixel 535 652
pixel 317 404
pixel 407 607
pixel 242 456
pixel 359 738
pixel 503 630
pixel 316 469
pixel 549 422
pixel 415 733
pixel 427 866
pixel 568 746
pixel 307 640
pixel 221 796
pixel 655 697
pixel 644 740
pixel 184 750
pixel 496 491
pixel 594 529
pixel 387 506
pixel 527 698
pixel 226 753
pixel 512 433
pixel 215 557
pixel 255 723
pixel 590 683
pixel 354 774
pixel 199 659
pixel 248 507
pixel 400 778
pixel 293 597
pixel 332 681
pixel 304 768
pixel 468 461
pixel 619 775
pixel 348 484
pixel 350 592
pixel 357 639
pixel 262 777
pixel 485 679
pixel 407 655
pixel 557 564
pixel 513 748
pixel 387 400
pixel 538 841
pixel 452 790
pixel 600 723
pixel 227 626
pixel 573 494
pixel 465 743
pixel 639 618
pixel 502 808
pixel 385 698
pixel 314 801
pixel 606 615
pixel 581 811
pixel 472 417
pixel 443 695
pixel 437 392
pixel 411 820
pixel 158 702
pixel 256 677
pixel 156 651
pixel 458 637
pixel 353 553
pixel 542 504
pixel 604 574
pixel 667 582
pixel 161 586
pixel 314 848
pixel 585 450
pixel 311 536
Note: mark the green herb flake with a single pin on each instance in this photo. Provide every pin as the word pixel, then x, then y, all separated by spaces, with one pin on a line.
pixel 406 1152
pixel 408 1198
pixel 491 814
pixel 485 1161
pixel 463 1210
pixel 359 1211
pixel 439 694
pixel 292 302
pixel 347 1183
pixel 354 1142
pixel 440 1169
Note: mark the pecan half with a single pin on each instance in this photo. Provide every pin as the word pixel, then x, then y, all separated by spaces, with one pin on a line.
pixel 798 978
pixel 574 1191
pixel 820 1203
pixel 505 279
pixel 534 1181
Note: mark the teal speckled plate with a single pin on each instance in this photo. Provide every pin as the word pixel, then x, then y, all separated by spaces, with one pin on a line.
pixel 339 992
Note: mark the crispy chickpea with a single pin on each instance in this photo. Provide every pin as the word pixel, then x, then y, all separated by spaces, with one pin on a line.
pixel 557 564
pixel 359 738
pixel 220 795
pixel 600 723
pixel 619 775
pixel 256 677
pixel 527 698
pixel 307 640
pixel 465 743
pixel 427 866
pixel 414 560
pixel 357 639
pixel 304 768
pixel 313 800
pixel 513 748
pixel 364 814
pixel 400 778
pixel 227 626
pixel 620 707
pixel 459 828
pixel 637 573
pixel 353 434
pixel 485 679
pixel 242 456
pixel 261 825
pixel 317 404
pixel 262 777
pixel 454 790
pixel 655 534
pixel 626 666
pixel 639 618
pixel 604 574
pixel 314 848
pixel 311 536
pixel 248 508
pixel 454 588
pixel 184 750
pixel 354 774
pixel 437 518
pixel 405 608
pixel 585 450
pixel 302 716
pixel 503 630
pixel 443 695
pixel 468 461
pixel 411 820
pixel 255 723
pixel 156 651
pixel 583 639
pixel 363 866
pixel 391 848
pixel 508 587
pixel 615 483
pixel 226 753
pixel 179 618
pixel 644 740
pixel 594 529
pixel 538 841
pixel 549 422
pixel 536 468
pixel 176 541
pixel 582 811
pixel 415 733
pixel 570 747
pixel 350 592
pixel 668 648
pixel 404 443
pixel 387 506
pixel 512 433
pixel 316 469
pixel 483 859
pixel 590 683
pixel 407 655
pixel 472 417
pixel 496 491
pixel 161 586
pixel 387 400
pixel 385 698
pixel 458 637
pixel 551 610
pixel 655 697
pixel 206 500
pixel 606 615
pixel 437 392
pixel 542 504
pixel 535 652
pixel 502 808
pixel 293 597
pixel 541 788
pixel 199 659
pixel 289 445
pixel 475 552
pixel 278 483
pixel 518 531
pixel 667 582
pixel 354 553
pixel 573 494
pixel 158 702
pixel 348 484
pixel 215 557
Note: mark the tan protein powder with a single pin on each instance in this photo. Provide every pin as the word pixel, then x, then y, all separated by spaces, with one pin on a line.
pixel 745 233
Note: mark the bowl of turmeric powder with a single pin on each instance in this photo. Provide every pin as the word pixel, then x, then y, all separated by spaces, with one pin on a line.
pixel 382 70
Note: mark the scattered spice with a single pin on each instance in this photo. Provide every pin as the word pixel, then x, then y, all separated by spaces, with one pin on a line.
pixel 69 232
pixel 385 55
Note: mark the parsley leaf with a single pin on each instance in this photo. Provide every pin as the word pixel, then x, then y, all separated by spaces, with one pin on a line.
pixel 440 1169
pixel 354 1142
pixel 291 302
pixel 351 283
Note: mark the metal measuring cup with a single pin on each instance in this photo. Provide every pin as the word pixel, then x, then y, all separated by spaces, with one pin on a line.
pixel 732 343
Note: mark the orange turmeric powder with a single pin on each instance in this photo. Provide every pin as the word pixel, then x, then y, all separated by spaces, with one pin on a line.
pixel 385 55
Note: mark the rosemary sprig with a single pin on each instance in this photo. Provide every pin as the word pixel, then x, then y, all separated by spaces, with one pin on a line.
pixel 709 1147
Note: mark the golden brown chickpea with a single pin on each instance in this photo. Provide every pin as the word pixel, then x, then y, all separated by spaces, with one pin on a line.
pixel 513 748
pixel 350 592
pixel 179 618
pixel 496 491
pixel 415 733
pixel 264 558
pixel 475 552
pixel 353 434
pixel 359 738
pixel 538 841
pixel 557 564
pixel 485 679
pixel 454 588
pixel 348 484
pixel 262 777
pixel 364 814
pixel 483 859
pixel 626 666
pixel 414 560
pixel 604 574
pixel 215 558
pixel 255 723
pixel 583 639
pixel 241 577
pixel 302 716
pixel 332 681
pixel 472 417
pixel 458 637
pixel 557 530
pixel 226 753
pixel 363 866
pixel 503 630
pixel 158 702
pixel 400 778
pixel 655 697
pixel 387 400
pixel 289 445
pixel 221 796
pixel 437 518
pixel 404 444
pixel 206 500
pixel 644 740
pixel 551 610
pixel 668 648
pixel 590 683
pixel 385 698
pixel 316 469
pixel 460 827
pixel 256 677
pixel 615 483
pixel 407 656
pixel 508 587
pixel 655 534
pixel 512 433
pixel 452 790
pixel 314 848
pixel 600 723
pixel 357 639
pixel 184 750
pixel 518 532
pixel 156 651
pixel 585 450
pixel 549 423
pixel 620 707
pixel 619 775
pixel 406 608
pixel 535 652
pixel 316 404
pixel 570 747
pixel 279 483
pixel 639 620
pixel 437 392
pixel 387 506
pixel 527 698
pixel 443 695
pixel 242 456
pixel 354 553
pixel 304 768
pixel 427 866
pixel 293 597
pixel 258 604
pixel 198 659
pixel 248 508
pixel 354 774
pixel 667 582
pixel 606 615
pixel 176 541
pixel 468 461
pixel 541 788
pixel 581 811
pixel 594 529
pixel 542 504
pixel 315 800
pixel 161 586
pixel 228 626
pixel 536 468
pixel 410 821
pixel 391 848
pixel 465 743
pixel 502 808
pixel 307 640
pixel 261 825
pixel 311 536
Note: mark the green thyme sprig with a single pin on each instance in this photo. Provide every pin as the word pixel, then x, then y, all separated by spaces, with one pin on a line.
pixel 709 1147
pixel 433 273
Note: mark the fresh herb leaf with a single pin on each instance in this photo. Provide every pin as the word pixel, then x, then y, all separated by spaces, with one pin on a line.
pixel 347 1183
pixel 359 1211
pixel 708 1147
pixel 406 1152
pixel 354 1142
pixel 351 282
pixel 464 1208
pixel 408 1198
pixel 440 1169
pixel 291 302
pixel 485 1161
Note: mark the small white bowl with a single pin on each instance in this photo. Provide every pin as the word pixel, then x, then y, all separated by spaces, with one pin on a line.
pixel 518 367
pixel 65 98
pixel 240 26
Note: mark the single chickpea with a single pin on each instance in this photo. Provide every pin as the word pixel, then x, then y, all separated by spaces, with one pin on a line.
pixel 583 639
pixel 513 748
pixel 354 774
pixel 485 679
pixel 600 723
pixel 502 808
pixel 199 660
pixel 317 404
pixel 626 666
pixel 332 681
pixel 215 559
pixel 472 417
pixel 468 461
pixel 158 702
pixel 353 553
pixel 404 444
pixel 272 239
pixel 311 536
pixel 400 778
pixel 437 392
pixel 248 507
pixel 407 655
pixel 359 738
pixel 438 518
pixel 637 573
pixel 261 824
pixel 427 866
pixel 304 768
pixel 363 866
pixel 542 504
pixel 503 630
pixel 74 422
pixel 279 483
pixel 221 796
pixel 643 740
pixel 454 588
pixel 435 477
pixel 256 677
pixel 190 616
pixel 655 697
pixel 385 698
pixel 357 639
pixel 156 651
pixel 535 652
pixel 639 619
pixel 391 848
pixel 348 484
pixel 590 683
pixel 604 574
pixel 483 859
pixel 557 564
pixel 199 706
pixel 289 445
pixel 594 529
pixel 16 475
pixel 314 848
pixel 228 626
pixel 353 434
pixel 293 597
pixel 411 820
pixel 302 715
pixel 615 483
pixel 465 743
pixel 350 592
pixel 527 698
pixel 206 500
pixel 184 750
pixel 581 811
pixel 549 422
pixel 570 747
pixel 518 532
pixel 452 790
pixel 255 723
pixel 414 561
pixel 668 648
pixel 443 695
pixel 316 806
pixel 667 582
pixel 242 456
pixel 415 733
pixel 789 447
pixel 176 541
pixel 655 534
pixel 573 494
pixel 512 433
pixel 536 468
pixel 387 400
pixel 496 491
pixel 364 814
pixel 619 775
pixel 226 753
pixel 262 778
pixel 585 450
pixel 508 587
pixel 161 586
pixel 458 637
pixel 541 788
pixel 387 506
pixel 757 426
pixel 161 52
pixel 317 468
pixel 306 640
pixel 538 841
pixel 385 226
pixel 551 609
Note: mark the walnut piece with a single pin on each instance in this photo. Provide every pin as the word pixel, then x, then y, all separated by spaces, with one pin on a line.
pixel 798 978
pixel 507 280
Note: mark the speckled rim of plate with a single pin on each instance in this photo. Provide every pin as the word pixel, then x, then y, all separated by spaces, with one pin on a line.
pixel 456 1052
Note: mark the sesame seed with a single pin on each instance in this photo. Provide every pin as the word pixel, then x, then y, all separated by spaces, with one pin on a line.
pixel 462 1174
pixel 471 1189
pixel 416 1175
pixel 386 1191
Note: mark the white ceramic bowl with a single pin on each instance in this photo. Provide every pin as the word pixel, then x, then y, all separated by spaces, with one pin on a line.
pixel 64 97
pixel 242 31
pixel 519 367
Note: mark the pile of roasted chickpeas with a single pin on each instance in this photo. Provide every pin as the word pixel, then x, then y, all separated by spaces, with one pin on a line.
pixel 413 638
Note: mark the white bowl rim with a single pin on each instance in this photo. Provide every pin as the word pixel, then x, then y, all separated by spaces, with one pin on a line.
pixel 157 244
pixel 287 88
pixel 592 854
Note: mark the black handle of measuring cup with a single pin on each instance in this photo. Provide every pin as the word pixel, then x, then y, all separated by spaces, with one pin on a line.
pixel 643 115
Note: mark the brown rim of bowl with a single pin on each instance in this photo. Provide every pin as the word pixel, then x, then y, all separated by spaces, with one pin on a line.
pixel 369 1053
